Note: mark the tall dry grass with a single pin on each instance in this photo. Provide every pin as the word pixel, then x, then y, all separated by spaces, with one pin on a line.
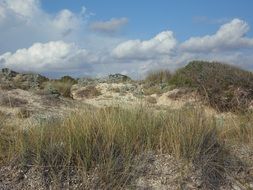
pixel 110 140
pixel 158 76
pixel 156 82
pixel 62 87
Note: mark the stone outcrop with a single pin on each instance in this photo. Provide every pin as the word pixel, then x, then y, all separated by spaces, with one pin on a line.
pixel 118 78
pixel 12 80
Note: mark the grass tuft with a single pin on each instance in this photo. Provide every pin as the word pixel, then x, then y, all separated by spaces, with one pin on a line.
pixel 108 141
pixel 159 76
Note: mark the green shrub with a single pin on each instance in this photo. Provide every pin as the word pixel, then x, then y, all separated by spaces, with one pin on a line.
pixel 225 87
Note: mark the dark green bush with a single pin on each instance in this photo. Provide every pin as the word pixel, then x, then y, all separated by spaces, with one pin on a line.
pixel 225 87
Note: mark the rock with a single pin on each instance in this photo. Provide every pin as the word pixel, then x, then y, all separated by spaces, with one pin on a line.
pixel 114 78
pixel 121 87
pixel 33 80
pixel 118 78
pixel 8 73
pixel 12 80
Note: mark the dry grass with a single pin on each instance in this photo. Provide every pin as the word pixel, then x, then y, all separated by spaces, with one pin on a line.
pixel 10 101
pixel 238 130
pixel 88 92
pixel 151 100
pixel 154 89
pixel 159 76
pixel 156 82
pixel 23 113
pixel 108 141
pixel 63 87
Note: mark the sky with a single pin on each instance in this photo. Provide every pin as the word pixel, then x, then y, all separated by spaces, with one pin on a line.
pixel 91 37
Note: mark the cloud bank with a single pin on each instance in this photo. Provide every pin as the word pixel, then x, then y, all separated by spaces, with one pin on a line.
pixel 230 36
pixel 34 40
pixel 56 55
pixel 161 44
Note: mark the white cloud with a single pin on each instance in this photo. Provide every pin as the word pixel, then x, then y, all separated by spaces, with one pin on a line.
pixel 110 26
pixel 230 36
pixel 23 23
pixel 2 13
pixel 50 56
pixel 66 21
pixel 161 44
pixel 34 40
pixel 24 8
pixel 229 44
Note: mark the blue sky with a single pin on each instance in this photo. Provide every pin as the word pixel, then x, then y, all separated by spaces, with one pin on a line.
pixel 88 37
pixel 147 18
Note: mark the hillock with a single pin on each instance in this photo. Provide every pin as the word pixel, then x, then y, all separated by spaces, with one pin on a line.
pixel 224 87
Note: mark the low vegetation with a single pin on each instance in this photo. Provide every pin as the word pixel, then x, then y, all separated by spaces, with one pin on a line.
pixel 104 147
pixel 156 82
pixel 89 91
pixel 62 86
pixel 9 101
pixel 159 76
pixel 224 87
pixel 109 141
pixel 151 100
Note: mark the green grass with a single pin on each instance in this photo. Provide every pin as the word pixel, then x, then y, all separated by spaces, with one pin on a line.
pixel 109 141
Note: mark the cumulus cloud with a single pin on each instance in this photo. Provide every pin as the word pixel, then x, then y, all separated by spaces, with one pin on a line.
pixel 111 26
pixel 34 40
pixel 52 56
pixel 161 44
pixel 230 36
pixel 23 8
pixel 229 44
pixel 23 22
pixel 66 21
